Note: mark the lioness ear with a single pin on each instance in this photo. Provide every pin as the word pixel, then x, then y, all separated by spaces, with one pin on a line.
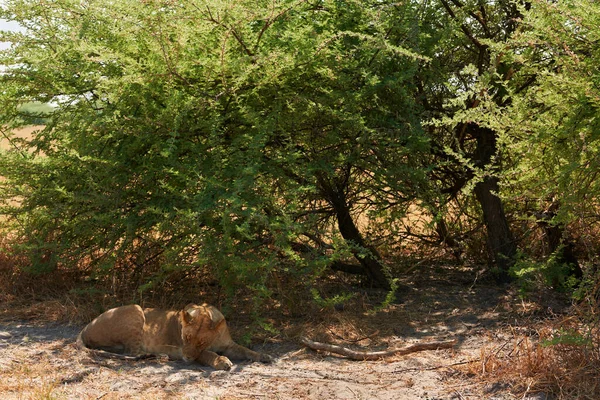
pixel 216 318
pixel 190 312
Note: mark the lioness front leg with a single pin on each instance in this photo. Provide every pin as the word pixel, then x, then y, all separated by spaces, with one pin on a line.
pixel 214 360
pixel 236 352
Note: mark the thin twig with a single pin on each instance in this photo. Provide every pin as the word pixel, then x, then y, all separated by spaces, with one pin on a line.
pixel 294 354
pixel 399 371
pixel 355 340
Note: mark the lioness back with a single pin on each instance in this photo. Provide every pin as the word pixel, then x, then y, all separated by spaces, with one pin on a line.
pixel 118 330
pixel 196 333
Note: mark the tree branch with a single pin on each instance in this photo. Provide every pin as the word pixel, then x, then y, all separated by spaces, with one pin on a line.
pixel 272 19
pixel 463 27
pixel 376 355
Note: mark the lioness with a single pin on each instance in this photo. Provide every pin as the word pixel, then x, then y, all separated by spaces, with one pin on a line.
pixel 196 333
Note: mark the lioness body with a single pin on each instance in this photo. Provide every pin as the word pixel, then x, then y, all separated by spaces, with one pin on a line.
pixel 197 333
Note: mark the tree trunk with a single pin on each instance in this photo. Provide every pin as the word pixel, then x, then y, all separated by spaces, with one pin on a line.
pixel 368 257
pixel 500 241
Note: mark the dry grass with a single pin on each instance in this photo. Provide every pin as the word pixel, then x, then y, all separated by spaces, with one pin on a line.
pixel 31 297
pixel 562 359
pixel 520 361
pixel 29 378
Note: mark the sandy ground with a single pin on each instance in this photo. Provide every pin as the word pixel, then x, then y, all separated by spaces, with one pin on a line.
pixel 40 361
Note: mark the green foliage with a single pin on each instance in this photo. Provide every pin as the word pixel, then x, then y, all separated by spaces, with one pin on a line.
pixel 390 297
pixel 229 135
pixel 568 337
pixel 194 134
pixel 524 76
pixel 331 302
pixel 551 272
pixel 35 113
pixel 551 125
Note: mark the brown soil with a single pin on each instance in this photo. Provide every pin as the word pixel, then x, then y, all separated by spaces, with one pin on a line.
pixel 23 133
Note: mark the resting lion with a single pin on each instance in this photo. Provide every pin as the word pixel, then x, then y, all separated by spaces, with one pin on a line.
pixel 196 333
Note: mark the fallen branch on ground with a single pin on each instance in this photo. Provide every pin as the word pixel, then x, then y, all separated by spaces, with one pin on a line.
pixel 375 355
pixel 78 377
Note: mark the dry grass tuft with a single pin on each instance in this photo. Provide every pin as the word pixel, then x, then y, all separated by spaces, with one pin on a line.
pixel 39 297
pixel 562 360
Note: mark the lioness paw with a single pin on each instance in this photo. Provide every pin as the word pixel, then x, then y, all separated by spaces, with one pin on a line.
pixel 222 363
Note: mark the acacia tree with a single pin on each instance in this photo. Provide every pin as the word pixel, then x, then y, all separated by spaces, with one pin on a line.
pixel 518 108
pixel 551 127
pixel 209 133
pixel 456 93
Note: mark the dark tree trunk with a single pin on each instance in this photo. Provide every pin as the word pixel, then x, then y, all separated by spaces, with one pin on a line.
pixel 369 257
pixel 500 241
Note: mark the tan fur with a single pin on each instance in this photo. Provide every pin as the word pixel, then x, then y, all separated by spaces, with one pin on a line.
pixel 196 333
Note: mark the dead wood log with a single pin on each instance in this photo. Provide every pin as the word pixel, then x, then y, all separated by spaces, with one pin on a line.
pixel 376 355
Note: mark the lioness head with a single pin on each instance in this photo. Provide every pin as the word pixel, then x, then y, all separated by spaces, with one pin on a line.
pixel 200 325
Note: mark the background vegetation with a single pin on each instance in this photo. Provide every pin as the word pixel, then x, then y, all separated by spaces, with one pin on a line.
pixel 292 138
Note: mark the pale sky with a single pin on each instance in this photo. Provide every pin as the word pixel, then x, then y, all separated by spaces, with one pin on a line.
pixel 7 26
